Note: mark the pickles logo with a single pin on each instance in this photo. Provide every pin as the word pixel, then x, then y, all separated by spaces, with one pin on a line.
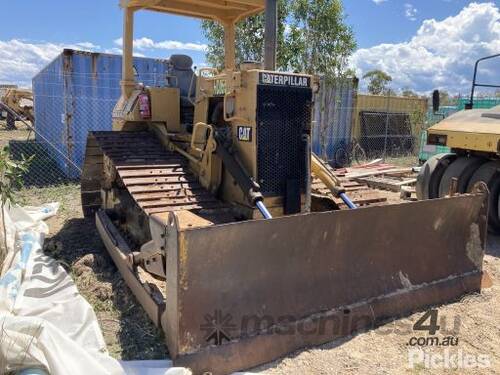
pixel 244 134
pixel 218 327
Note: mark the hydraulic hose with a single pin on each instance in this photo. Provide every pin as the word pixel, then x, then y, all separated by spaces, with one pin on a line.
pixel 330 180
pixel 263 210
pixel 247 184
pixel 347 201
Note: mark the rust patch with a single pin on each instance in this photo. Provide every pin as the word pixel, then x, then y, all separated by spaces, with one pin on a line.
pixel 475 251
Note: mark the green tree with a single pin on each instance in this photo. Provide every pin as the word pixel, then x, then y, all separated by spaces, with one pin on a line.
pixel 379 81
pixel 312 38
pixel 249 38
pixel 408 93
pixel 11 173
pixel 319 41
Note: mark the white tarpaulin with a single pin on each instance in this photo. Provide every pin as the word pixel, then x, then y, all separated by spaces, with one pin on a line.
pixel 45 322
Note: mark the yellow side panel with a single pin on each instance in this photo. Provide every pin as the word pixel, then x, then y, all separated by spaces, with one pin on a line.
pixel 477 130
pixel 165 107
pixel 470 141
pixel 378 103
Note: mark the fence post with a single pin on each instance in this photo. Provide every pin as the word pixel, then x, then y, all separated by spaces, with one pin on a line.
pixel 386 124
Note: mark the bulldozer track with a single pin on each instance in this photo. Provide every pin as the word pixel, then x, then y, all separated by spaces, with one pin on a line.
pixel 158 180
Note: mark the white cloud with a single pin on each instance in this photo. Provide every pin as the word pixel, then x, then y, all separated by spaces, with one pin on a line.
pixel 441 54
pixel 378 2
pixel 410 12
pixel 149 44
pixel 88 46
pixel 21 60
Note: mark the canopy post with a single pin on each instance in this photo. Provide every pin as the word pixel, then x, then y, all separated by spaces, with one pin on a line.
pixel 128 79
pixel 229 45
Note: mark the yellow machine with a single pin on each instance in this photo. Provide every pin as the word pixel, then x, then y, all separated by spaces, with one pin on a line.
pixel 473 135
pixel 202 196
pixel 17 102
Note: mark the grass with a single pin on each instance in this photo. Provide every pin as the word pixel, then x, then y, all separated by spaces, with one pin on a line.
pixel 66 194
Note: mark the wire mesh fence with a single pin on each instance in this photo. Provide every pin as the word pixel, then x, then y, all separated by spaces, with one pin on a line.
pixel 67 107
pixel 377 127
pixel 349 128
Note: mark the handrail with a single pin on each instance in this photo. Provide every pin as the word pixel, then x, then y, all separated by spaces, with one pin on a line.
pixel 470 105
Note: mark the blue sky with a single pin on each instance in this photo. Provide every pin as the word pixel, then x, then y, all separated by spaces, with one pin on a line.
pixel 383 28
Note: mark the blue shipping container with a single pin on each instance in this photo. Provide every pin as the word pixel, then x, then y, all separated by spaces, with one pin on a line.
pixel 333 119
pixel 75 94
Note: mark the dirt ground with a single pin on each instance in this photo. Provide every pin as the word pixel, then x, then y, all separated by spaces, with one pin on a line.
pixel 129 334
pixel 20 134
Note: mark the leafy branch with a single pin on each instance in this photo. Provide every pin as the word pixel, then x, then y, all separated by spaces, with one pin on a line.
pixel 11 180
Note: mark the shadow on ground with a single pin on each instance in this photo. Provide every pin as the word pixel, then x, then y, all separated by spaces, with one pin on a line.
pixel 128 332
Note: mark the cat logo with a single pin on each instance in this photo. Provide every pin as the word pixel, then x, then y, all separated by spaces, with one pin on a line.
pixel 244 134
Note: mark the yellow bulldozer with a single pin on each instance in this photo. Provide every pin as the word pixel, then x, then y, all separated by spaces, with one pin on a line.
pixel 17 103
pixel 473 136
pixel 202 196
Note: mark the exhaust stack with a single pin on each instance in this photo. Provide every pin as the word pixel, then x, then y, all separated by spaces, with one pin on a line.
pixel 270 36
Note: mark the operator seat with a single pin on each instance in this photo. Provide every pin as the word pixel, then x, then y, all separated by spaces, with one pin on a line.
pixel 180 75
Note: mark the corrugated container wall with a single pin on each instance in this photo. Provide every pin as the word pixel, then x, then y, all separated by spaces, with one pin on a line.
pixel 333 116
pixel 75 94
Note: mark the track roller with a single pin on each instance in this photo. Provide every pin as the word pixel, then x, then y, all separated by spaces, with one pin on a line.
pixel 462 169
pixel 489 173
pixel 431 173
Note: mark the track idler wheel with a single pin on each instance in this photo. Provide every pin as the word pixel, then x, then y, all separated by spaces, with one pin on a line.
pixel 462 169
pixel 431 173
pixel 489 173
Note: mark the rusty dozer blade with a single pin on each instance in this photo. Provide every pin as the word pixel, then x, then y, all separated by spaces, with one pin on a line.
pixel 242 294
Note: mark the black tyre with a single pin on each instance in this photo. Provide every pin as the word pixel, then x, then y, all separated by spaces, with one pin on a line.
pixel 341 157
pixel 489 173
pixel 430 175
pixel 462 169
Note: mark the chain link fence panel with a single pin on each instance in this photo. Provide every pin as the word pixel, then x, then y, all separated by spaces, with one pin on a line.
pixel 378 127
pixel 348 128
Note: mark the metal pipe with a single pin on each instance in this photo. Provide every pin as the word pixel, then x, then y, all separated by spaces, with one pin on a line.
pixel 187 155
pixel 263 210
pixel 348 201
pixel 474 84
pixel 270 35
pixel 331 181
pixel 386 124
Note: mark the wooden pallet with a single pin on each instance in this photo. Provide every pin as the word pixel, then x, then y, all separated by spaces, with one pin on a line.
pixel 387 183
pixel 364 184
